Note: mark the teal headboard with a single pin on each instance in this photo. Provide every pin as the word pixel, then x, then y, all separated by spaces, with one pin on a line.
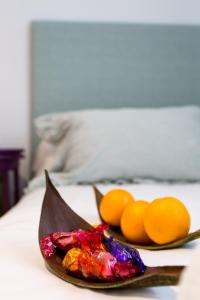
pixel 90 65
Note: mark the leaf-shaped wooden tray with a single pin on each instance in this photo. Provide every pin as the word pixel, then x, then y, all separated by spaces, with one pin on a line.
pixel 56 215
pixel 115 231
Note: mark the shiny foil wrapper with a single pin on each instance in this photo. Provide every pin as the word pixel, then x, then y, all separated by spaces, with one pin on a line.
pixel 124 253
pixel 91 255
pixel 47 246
pixel 71 259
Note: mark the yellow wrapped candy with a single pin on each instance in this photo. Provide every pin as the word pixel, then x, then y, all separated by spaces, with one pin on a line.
pixel 71 259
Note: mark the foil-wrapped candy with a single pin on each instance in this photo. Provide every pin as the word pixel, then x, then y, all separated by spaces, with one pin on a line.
pixel 124 253
pixel 71 260
pixel 47 246
pixel 91 255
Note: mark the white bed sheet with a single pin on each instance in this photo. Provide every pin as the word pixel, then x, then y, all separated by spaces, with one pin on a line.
pixel 23 274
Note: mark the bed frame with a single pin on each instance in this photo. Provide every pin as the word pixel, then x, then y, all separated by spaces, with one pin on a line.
pixel 79 65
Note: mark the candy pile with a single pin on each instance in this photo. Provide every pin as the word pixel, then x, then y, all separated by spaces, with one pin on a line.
pixel 91 255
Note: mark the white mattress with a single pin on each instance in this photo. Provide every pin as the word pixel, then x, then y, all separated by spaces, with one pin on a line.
pixel 23 274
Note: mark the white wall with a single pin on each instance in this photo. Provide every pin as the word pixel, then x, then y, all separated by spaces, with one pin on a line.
pixel 15 18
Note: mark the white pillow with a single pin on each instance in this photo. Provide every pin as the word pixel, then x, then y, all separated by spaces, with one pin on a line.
pixel 128 143
pixel 52 127
pixel 49 156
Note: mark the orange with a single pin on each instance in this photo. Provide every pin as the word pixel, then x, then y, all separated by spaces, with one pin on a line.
pixel 166 220
pixel 132 223
pixel 113 204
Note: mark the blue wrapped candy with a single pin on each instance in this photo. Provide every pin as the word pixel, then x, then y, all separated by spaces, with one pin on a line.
pixel 124 253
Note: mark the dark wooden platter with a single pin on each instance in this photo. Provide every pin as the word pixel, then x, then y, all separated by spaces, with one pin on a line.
pixel 56 215
pixel 115 231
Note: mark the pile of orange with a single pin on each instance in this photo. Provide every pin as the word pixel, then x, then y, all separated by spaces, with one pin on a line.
pixel 161 221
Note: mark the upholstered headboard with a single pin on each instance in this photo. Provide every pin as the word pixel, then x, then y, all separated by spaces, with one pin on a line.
pixel 90 65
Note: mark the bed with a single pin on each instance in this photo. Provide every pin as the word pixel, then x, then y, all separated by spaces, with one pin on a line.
pixel 78 66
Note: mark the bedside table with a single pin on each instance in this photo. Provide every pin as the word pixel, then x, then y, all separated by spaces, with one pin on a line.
pixel 9 174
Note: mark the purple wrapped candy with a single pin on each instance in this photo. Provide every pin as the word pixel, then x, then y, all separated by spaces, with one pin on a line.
pixel 124 253
pixel 136 259
pixel 117 250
